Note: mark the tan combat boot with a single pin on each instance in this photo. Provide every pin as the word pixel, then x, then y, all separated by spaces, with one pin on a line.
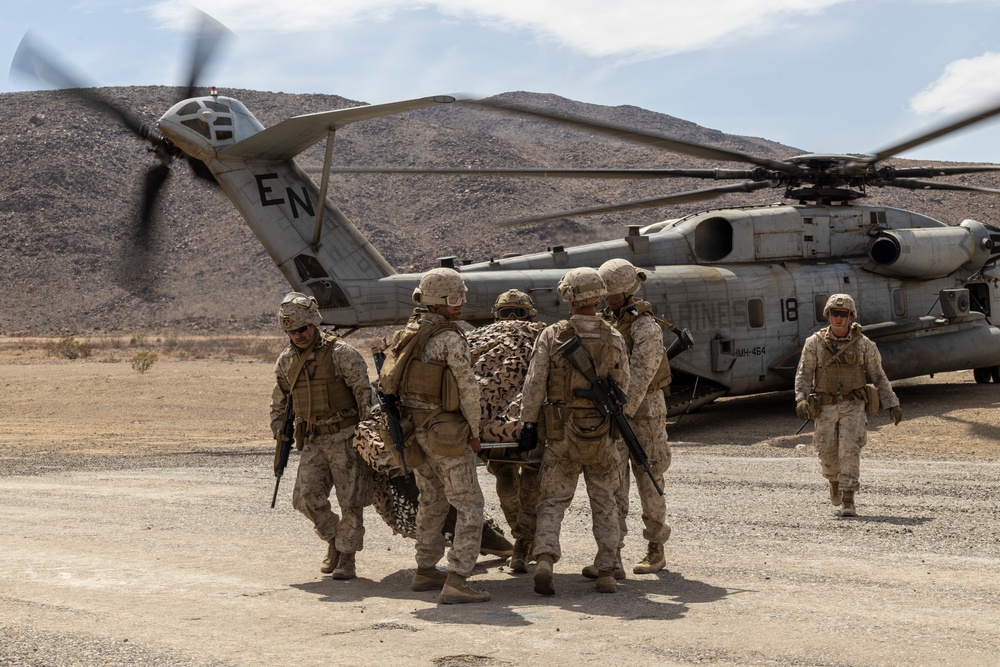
pixel 428 579
pixel 606 582
pixel 835 495
pixel 345 567
pixel 457 591
pixel 848 504
pixel 494 543
pixel 519 561
pixel 543 575
pixel 330 562
pixel 590 571
pixel 654 561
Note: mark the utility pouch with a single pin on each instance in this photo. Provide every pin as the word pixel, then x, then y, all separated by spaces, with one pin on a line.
pixel 589 434
pixel 552 421
pixel 872 401
pixel 448 434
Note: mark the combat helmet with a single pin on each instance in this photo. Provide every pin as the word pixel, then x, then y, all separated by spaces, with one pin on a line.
pixel 621 278
pixel 841 302
pixel 298 310
pixel 440 287
pixel 582 287
pixel 514 304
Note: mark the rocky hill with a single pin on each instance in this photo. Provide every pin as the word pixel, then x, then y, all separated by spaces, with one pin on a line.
pixel 70 180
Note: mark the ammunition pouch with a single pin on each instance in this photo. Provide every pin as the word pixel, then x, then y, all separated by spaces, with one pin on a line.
pixel 551 426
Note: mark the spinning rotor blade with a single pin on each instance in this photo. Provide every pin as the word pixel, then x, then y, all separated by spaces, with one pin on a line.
pixel 942 171
pixel 934 134
pixel 913 184
pixel 657 140
pixel 33 60
pixel 154 181
pixel 715 174
pixel 676 198
pixel 210 36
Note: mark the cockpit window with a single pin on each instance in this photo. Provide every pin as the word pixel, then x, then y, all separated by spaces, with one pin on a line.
pixel 189 108
pixel 198 125
pixel 215 106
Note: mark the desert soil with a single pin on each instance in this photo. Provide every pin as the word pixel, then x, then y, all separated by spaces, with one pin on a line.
pixel 137 531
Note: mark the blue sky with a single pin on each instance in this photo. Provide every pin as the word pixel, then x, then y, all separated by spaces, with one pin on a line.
pixel 827 76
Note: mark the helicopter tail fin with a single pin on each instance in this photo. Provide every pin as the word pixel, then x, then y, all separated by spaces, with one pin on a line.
pixel 317 248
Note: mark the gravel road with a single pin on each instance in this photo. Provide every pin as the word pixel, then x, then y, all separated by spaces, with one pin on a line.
pixel 137 531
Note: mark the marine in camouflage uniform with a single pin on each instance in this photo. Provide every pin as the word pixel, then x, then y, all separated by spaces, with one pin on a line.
pixel 328 382
pixel 646 408
pixel 447 431
pixel 830 388
pixel 500 354
pixel 578 437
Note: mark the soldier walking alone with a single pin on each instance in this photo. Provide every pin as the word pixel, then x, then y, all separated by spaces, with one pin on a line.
pixel 830 389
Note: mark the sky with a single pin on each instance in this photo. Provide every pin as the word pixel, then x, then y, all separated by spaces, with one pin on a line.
pixel 825 76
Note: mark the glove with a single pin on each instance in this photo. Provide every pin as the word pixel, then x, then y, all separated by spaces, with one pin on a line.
pixel 527 439
pixel 802 409
pixel 897 414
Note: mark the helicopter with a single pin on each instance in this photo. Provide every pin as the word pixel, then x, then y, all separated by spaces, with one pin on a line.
pixel 749 283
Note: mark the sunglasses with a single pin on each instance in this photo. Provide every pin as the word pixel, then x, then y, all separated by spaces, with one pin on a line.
pixel 509 312
pixel 840 313
pixel 300 330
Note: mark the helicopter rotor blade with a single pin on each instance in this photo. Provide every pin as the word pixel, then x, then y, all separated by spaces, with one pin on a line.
pixel 961 123
pixel 714 174
pixel 657 140
pixel 155 179
pixel 676 198
pixel 209 38
pixel 942 171
pixel 914 184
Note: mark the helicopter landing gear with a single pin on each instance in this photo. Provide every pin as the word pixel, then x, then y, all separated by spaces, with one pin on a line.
pixel 984 375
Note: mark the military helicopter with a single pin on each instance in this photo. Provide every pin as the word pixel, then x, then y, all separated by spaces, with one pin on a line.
pixel 748 282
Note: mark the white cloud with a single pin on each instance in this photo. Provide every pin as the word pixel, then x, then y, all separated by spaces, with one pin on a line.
pixel 964 85
pixel 633 29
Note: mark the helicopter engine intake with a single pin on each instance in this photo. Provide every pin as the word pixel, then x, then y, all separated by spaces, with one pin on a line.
pixel 931 252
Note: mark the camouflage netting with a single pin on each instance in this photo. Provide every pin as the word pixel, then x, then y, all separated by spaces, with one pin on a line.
pixel 500 359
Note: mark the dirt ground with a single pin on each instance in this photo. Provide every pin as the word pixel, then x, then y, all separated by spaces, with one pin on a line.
pixel 136 529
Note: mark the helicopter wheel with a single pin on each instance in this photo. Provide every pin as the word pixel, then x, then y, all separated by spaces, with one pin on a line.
pixel 984 375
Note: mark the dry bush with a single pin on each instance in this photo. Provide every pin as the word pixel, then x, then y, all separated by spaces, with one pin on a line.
pixel 69 348
pixel 142 361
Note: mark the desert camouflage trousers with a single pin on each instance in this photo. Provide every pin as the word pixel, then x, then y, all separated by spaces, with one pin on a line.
pixel 841 431
pixel 558 480
pixel 445 482
pixel 518 491
pixel 329 462
pixel 650 428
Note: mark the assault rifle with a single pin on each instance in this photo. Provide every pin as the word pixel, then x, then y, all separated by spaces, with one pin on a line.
pixel 283 447
pixel 390 406
pixel 608 398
